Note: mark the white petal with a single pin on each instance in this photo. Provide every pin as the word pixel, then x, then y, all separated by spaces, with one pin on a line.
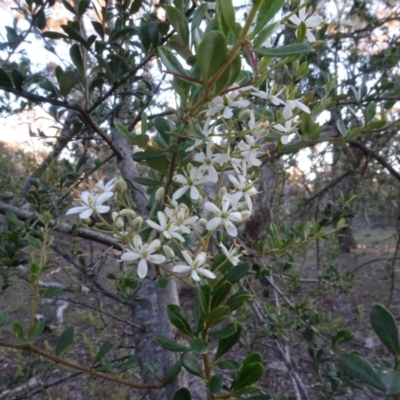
pixel 153 225
pixel 235 216
pixel 295 19
pixel 104 197
pixel 310 36
pixel 180 179
pixel 187 258
pixel 213 224
pixel 102 209
pixel 137 241
pixel 207 273
pixel 194 193
pixel 85 196
pixel 178 236
pixel 235 197
pixel 154 246
pixel 156 258
pixel 130 256
pixel 195 276
pixel 180 192
pixel 314 20
pixel 86 214
pixel 76 210
pixel 200 259
pixel 285 139
pixel 142 268
pixel 212 207
pixel 227 113
pixel 181 268
pixel 230 228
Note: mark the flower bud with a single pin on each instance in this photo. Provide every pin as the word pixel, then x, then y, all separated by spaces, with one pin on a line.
pixel 244 115
pixel 245 215
pixel 222 192
pixel 121 186
pixel 159 196
pixel 168 252
pixel 87 221
pixel 126 212
pixel 119 223
pixel 137 223
pixel 203 222
pixel 189 168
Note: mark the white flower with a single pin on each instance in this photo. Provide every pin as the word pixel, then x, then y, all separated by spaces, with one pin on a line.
pixel 242 190
pixel 209 159
pixel 206 131
pixel 194 266
pixel 108 187
pixel 91 203
pixel 249 151
pixel 231 254
pixel 195 178
pixel 180 217
pixel 168 229
pixel 144 253
pixel 287 129
pixel 260 128
pixel 311 21
pixel 224 216
pixel 292 104
pixel 274 99
pixel 224 104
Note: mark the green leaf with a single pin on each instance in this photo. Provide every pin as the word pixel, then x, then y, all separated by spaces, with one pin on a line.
pixel 215 383
pixel 266 12
pixel 130 363
pixel 39 19
pixel 105 347
pixel 170 61
pixel 264 34
pixel 361 369
pixel 17 328
pixel 224 345
pixel 135 6
pixel 66 82
pixel 248 375
pixel 140 140
pixel 178 319
pixel 64 341
pixel 168 344
pixel 5 79
pixel 217 315
pixel 99 28
pixel 178 20
pixel 68 6
pixel 36 330
pixel 220 294
pixel 211 54
pixel 83 5
pixel 147 182
pixel 18 79
pixel 379 124
pixel 285 51
pixel 260 397
pixel 11 217
pixel 198 346
pixel 370 112
pixel 76 57
pixel 191 364
pixel 50 292
pixel 230 75
pixel 182 394
pixel 73 34
pixel 238 299
pixel 174 371
pixel 341 127
pixel 253 358
pixel 229 330
pixel 3 316
pixel 236 273
pixel 147 155
pixel 228 14
pixel 54 35
pixel 385 327
pixel 391 380
pixel 33 242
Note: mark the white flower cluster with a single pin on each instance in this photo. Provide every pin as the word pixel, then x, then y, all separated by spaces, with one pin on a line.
pixel 234 133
